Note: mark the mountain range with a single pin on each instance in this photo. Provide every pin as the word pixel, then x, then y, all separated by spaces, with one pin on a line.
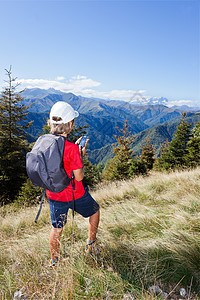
pixel 157 121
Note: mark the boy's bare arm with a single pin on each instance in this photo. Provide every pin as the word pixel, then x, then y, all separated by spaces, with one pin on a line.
pixel 79 174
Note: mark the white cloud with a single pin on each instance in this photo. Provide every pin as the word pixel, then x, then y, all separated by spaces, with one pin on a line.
pixel 42 84
pixel 75 84
pixel 60 78
pixel 183 102
pixel 87 87
pixel 79 77
pixel 79 85
pixel 82 82
pixel 126 95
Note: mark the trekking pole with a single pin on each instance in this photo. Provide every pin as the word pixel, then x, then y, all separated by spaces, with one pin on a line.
pixel 39 211
pixel 73 188
pixel 72 240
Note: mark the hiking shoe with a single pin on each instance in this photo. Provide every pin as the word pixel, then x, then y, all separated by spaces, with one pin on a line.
pixel 61 260
pixel 92 248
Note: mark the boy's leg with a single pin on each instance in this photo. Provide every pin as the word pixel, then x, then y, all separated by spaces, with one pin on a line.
pixel 93 225
pixel 88 207
pixel 54 241
pixel 58 211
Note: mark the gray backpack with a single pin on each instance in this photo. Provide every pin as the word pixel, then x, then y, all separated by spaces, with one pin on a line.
pixel 44 163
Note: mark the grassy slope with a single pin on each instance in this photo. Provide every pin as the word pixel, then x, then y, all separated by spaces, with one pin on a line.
pixel 149 232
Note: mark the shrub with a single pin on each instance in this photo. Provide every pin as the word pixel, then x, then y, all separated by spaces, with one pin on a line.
pixel 29 194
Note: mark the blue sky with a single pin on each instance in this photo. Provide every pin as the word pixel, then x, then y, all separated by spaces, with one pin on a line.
pixel 104 49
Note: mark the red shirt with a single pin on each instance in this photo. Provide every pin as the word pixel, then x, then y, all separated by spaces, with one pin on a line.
pixel 72 161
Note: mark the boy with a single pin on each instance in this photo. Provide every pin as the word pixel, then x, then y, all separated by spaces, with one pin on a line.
pixel 62 117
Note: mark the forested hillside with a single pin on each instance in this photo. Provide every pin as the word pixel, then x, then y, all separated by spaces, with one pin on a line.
pixel 159 122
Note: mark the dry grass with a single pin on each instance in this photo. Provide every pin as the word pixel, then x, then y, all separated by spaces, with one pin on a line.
pixel 149 232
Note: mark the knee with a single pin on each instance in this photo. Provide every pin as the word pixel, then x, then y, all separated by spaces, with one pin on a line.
pixel 96 214
pixel 56 231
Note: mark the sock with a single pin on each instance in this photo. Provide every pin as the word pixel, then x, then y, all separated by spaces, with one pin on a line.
pixel 54 260
pixel 91 242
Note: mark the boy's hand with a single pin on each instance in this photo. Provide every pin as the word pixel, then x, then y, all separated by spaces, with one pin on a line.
pixel 82 149
pixel 78 141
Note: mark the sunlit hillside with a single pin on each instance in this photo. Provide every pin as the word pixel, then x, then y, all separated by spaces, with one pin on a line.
pixel 149 234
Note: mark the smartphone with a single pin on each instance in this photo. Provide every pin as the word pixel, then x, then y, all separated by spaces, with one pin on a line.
pixel 83 141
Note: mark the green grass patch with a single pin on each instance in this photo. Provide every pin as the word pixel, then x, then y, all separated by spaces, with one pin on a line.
pixel 149 233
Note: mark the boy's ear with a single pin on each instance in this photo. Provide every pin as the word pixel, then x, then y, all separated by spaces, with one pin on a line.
pixel 71 124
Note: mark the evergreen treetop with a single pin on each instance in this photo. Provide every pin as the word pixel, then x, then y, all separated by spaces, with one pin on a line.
pixel 118 167
pixel 193 147
pixel 13 144
pixel 147 156
pixel 174 156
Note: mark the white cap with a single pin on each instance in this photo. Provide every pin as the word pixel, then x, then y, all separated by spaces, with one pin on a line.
pixel 63 110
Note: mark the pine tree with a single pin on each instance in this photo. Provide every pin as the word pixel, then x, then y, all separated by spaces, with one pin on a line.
pixel 29 194
pixel 92 173
pixel 147 156
pixel 176 155
pixel 137 167
pixel 162 163
pixel 13 144
pixel 193 147
pixel 118 167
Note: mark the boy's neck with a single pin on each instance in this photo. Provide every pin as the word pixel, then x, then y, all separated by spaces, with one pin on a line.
pixel 64 134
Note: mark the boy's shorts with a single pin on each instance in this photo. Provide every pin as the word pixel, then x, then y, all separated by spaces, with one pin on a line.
pixel 86 206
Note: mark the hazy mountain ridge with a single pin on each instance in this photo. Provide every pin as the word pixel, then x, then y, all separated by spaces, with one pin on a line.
pixel 103 116
pixel 186 108
pixel 143 116
pixel 157 135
